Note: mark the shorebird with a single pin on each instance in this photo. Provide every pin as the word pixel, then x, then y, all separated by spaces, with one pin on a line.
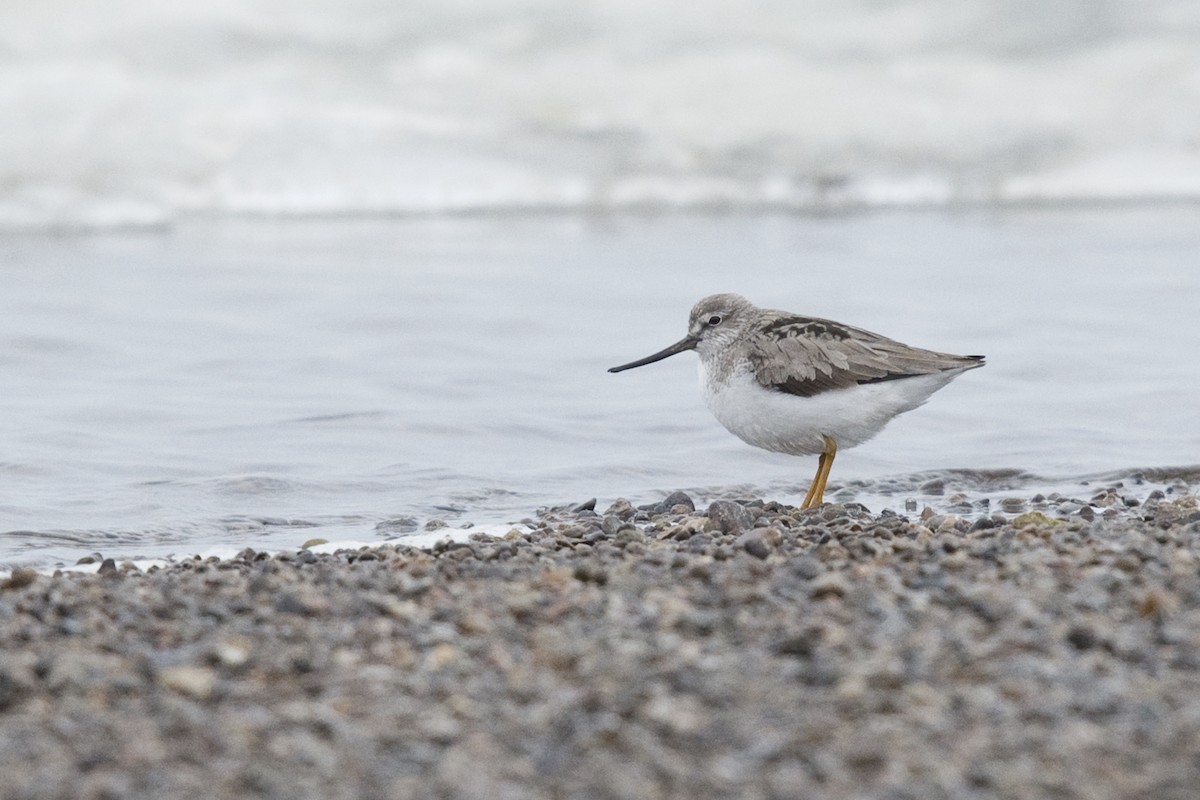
pixel 802 385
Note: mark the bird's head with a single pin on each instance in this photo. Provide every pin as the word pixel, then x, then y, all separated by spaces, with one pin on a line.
pixel 715 322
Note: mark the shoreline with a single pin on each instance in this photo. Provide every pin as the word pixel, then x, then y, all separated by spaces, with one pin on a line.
pixel 738 650
pixel 968 492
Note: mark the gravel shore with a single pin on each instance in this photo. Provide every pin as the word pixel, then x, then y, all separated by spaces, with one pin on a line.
pixel 743 650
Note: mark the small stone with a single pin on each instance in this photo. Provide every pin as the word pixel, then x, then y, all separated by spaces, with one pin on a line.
pixel 402 610
pixel 589 572
pixel 680 499
pixel 831 584
pixel 306 605
pixel 443 655
pixel 586 505
pixel 761 542
pixel 668 503
pixel 1154 603
pixel 397 525
pixel 20 578
pixel 1031 519
pixel 951 522
pixel 435 524
pixel 800 644
pixel 1012 505
pixel 948 542
pixel 630 533
pixel 1128 563
pixel 232 652
pixel 107 567
pixel 729 517
pixel 313 543
pixel 194 682
pixel 1081 637
pixel 474 622
pixel 622 509
pixel 806 567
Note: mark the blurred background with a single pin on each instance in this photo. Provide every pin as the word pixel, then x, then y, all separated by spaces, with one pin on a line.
pixel 275 270
pixel 135 112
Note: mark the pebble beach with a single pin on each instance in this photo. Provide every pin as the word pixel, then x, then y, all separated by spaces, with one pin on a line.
pixel 745 649
pixel 312 463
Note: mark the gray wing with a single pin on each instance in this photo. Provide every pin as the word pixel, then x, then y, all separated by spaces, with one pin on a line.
pixel 806 356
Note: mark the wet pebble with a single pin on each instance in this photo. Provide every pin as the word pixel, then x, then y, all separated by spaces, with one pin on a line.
pixel 194 682
pixel 398 525
pixel 671 504
pixel 1012 505
pixel 729 517
pixel 18 579
pixel 761 542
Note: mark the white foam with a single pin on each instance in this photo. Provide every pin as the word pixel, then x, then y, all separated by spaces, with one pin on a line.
pixel 140 117
pixel 1123 175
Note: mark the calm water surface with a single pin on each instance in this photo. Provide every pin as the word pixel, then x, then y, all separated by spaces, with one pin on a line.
pixel 261 383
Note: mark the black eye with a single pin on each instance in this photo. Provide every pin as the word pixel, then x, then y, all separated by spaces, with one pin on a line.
pixel 714 320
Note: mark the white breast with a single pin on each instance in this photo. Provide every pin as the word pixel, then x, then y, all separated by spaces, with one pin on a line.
pixel 786 423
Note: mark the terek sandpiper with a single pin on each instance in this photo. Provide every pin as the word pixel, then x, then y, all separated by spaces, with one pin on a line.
pixel 802 385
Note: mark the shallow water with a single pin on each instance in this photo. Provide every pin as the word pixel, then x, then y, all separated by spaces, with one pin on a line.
pixel 234 383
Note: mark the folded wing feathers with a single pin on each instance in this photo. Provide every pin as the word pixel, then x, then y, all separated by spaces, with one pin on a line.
pixel 794 360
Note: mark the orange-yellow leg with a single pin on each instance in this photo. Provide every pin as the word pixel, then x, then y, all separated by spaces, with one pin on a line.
pixel 816 492
pixel 812 487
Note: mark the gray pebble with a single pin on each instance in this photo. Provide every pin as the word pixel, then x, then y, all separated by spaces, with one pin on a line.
pixel 729 517
pixel 761 542
pixel 668 504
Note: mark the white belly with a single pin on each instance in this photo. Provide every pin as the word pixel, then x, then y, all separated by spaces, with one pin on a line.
pixel 786 423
